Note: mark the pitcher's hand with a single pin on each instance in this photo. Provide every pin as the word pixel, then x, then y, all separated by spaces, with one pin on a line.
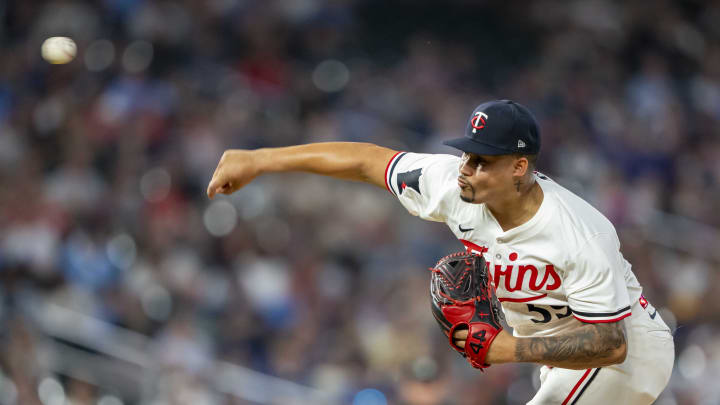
pixel 236 169
pixel 460 336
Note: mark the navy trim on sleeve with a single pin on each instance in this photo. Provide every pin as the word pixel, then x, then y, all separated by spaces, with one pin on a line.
pixel 600 314
pixel 392 169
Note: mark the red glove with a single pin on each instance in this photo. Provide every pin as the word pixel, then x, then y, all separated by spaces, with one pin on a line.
pixel 462 298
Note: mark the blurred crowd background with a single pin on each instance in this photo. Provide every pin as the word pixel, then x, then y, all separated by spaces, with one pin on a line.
pixel 121 283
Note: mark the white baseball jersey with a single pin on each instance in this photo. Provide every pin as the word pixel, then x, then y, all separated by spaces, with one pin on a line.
pixel 564 262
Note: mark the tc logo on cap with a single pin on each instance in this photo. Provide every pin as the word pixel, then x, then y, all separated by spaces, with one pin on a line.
pixel 478 121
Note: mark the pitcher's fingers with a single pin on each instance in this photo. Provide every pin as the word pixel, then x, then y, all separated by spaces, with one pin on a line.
pixel 211 190
pixel 226 188
pixel 214 187
pixel 460 334
pixel 460 343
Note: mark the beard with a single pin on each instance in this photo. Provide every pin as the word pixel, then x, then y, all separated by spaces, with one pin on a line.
pixel 472 194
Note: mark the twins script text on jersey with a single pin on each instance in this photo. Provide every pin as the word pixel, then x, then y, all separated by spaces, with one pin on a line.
pixel 517 276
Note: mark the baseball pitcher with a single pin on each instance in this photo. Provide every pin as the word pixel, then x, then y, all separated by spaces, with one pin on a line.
pixel 572 300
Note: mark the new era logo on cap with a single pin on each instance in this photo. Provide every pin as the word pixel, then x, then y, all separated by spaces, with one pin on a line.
pixel 500 127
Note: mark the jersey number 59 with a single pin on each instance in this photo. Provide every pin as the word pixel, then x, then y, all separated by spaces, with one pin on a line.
pixel 546 315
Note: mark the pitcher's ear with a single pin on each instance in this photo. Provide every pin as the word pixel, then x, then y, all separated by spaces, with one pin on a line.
pixel 521 166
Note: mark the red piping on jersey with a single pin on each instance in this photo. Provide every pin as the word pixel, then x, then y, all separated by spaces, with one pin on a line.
pixel 387 186
pixel 471 246
pixel 603 320
pixel 537 297
pixel 576 386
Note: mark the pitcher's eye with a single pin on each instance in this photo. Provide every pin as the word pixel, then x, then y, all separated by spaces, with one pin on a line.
pixel 469 160
pixel 472 161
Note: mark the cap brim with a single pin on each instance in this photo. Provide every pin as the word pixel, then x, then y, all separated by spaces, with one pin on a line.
pixel 478 148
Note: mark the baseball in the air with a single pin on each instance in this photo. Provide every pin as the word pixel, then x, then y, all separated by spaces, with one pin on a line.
pixel 58 50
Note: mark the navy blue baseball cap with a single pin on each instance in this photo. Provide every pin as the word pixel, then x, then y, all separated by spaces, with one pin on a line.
pixel 500 127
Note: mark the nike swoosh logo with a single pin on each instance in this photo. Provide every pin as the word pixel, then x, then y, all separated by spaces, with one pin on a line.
pixel 464 229
pixel 652 316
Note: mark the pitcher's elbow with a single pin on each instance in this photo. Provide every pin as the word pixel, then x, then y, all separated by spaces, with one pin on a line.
pixel 618 354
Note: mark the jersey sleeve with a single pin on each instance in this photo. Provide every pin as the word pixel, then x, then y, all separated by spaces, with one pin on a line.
pixel 595 282
pixel 425 184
